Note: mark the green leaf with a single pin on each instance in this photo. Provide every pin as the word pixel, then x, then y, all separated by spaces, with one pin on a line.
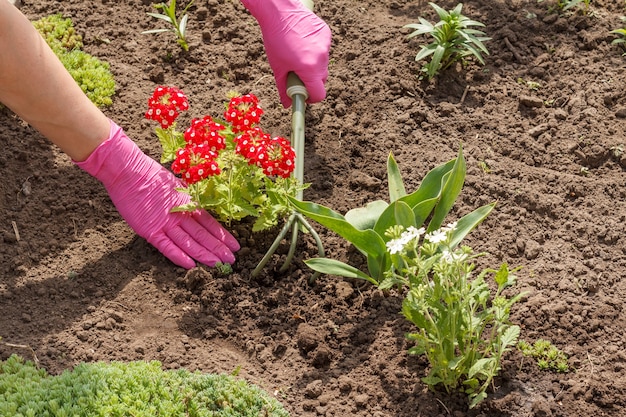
pixel 431 185
pixel 482 366
pixel 468 222
pixel 450 191
pixel 334 267
pixel 365 217
pixel 396 185
pixel 509 337
pixel 367 241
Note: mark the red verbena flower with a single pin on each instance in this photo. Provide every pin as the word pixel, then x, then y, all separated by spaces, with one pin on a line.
pixel 165 105
pixel 276 157
pixel 195 163
pixel 206 131
pixel 243 112
pixel 248 143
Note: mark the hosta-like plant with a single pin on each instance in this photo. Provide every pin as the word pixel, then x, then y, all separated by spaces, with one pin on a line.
pixel 455 40
pixel 365 227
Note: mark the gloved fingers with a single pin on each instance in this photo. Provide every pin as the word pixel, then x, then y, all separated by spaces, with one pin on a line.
pixel 216 229
pixel 171 250
pixel 315 87
pixel 198 243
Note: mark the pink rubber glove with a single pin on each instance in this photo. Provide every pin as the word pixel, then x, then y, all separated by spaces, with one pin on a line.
pixel 143 192
pixel 295 40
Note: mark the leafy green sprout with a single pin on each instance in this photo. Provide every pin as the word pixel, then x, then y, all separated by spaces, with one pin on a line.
pixel 548 356
pixel 621 41
pixel 179 28
pixel 454 40
pixel 565 5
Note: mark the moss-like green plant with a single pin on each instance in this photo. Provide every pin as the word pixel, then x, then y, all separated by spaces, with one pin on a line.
pixel 91 74
pixel 548 356
pixel 139 389
pixel 59 33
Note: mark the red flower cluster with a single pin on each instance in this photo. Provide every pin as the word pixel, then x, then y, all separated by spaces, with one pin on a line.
pixel 195 163
pixel 165 105
pixel 243 112
pixel 207 132
pixel 274 155
pixel 205 138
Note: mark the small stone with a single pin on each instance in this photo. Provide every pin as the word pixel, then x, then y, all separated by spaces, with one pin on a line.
pixel 530 101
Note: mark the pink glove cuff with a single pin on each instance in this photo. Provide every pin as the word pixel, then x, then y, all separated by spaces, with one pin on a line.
pixel 116 148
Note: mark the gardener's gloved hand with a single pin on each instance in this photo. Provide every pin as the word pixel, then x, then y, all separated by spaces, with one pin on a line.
pixel 143 192
pixel 295 40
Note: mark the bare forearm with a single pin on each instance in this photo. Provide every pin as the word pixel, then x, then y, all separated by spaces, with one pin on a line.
pixel 36 86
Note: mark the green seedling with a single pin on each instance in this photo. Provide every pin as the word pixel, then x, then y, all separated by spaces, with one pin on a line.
pixel 454 40
pixel 548 356
pixel 621 32
pixel 179 28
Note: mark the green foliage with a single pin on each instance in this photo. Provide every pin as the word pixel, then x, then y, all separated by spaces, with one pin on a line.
pixel 620 41
pixel 365 227
pixel 92 75
pixel 548 356
pixel 454 40
pixel 463 329
pixel 179 28
pixel 138 389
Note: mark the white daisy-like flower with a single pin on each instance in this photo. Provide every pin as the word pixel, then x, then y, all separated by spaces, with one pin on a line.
pixel 437 236
pixel 395 246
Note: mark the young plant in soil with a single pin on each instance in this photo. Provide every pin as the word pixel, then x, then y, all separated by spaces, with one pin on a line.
pixel 179 28
pixel 139 389
pixel 454 40
pixel 229 167
pixel 621 32
pixel 463 329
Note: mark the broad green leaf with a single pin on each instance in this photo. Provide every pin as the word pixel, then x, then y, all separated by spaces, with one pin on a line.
pixel 367 241
pixel 397 213
pixel 450 191
pixel 468 222
pixel 478 398
pixel 378 264
pixel 431 185
pixel 396 185
pixel 334 267
pixel 366 217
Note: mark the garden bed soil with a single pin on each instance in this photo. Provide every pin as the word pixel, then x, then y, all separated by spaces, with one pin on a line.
pixel 542 126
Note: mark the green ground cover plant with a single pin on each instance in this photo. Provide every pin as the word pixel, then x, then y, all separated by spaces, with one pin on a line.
pixel 454 40
pixel 548 356
pixel 138 389
pixel 91 74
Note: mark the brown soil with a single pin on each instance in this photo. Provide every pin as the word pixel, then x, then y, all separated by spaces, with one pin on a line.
pixel 78 285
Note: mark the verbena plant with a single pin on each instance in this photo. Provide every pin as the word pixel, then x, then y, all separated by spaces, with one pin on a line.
pixel 229 167
pixel 91 74
pixel 463 329
pixel 454 40
pixel 138 389
pixel 179 28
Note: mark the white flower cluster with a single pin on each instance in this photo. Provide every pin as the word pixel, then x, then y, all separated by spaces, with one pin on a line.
pixel 412 233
